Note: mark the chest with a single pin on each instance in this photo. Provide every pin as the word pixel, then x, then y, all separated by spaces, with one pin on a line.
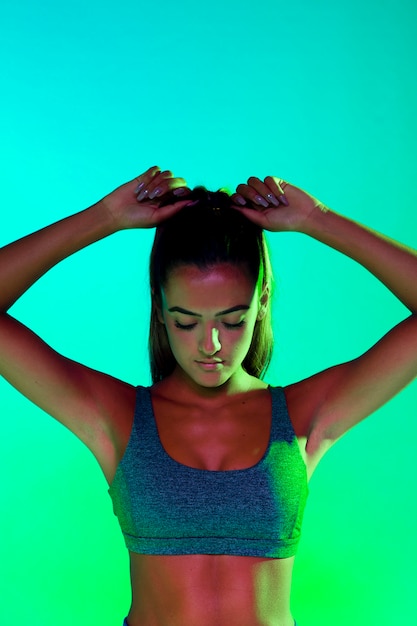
pixel 168 504
pixel 234 436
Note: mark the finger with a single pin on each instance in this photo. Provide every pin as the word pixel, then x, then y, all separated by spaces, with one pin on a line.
pixel 253 215
pixel 258 185
pixel 252 194
pixel 264 191
pixel 150 173
pixel 143 179
pixel 143 193
pixel 277 187
pixel 159 188
pixel 166 176
pixel 160 176
pixel 238 199
pixel 160 184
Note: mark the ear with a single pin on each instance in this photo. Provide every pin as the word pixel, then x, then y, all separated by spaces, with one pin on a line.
pixel 263 302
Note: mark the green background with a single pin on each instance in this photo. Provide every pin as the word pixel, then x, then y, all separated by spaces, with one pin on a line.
pixel 321 93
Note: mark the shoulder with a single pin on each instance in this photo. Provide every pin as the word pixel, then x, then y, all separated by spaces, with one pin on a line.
pixel 306 398
pixel 119 400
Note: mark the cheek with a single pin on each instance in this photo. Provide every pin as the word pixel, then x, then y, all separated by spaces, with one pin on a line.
pixel 179 340
pixel 242 342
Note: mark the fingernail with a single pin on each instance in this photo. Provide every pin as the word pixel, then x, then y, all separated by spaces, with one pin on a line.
pixel 155 193
pixel 139 187
pixel 192 203
pixel 273 199
pixel 240 200
pixel 261 201
pixel 283 200
pixel 143 194
pixel 180 191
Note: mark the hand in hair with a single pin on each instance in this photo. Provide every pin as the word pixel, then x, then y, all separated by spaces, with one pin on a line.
pixel 138 203
pixel 276 205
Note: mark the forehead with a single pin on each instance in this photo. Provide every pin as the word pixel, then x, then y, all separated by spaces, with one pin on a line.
pixel 219 287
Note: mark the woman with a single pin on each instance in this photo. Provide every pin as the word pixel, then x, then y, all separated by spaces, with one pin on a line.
pixel 208 468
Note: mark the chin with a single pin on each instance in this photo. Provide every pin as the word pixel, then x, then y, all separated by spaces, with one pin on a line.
pixel 206 380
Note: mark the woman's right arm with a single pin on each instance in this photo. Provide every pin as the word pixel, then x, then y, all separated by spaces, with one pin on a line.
pixel 26 260
pixel 81 398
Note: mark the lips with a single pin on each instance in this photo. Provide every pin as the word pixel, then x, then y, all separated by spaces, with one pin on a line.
pixel 210 362
pixel 210 365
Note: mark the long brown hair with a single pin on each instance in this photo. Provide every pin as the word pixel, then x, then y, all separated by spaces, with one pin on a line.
pixel 205 234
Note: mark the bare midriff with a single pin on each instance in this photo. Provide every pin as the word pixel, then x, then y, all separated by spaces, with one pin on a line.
pixel 210 590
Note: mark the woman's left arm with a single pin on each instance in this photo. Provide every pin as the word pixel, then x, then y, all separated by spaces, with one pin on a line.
pixel 393 263
pixel 336 399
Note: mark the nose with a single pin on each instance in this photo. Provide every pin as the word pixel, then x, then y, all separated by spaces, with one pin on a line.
pixel 210 342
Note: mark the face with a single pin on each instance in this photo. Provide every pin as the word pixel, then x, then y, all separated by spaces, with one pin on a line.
pixel 209 318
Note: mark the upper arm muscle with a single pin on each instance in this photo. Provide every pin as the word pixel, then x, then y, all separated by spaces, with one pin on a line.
pixel 327 404
pixel 80 398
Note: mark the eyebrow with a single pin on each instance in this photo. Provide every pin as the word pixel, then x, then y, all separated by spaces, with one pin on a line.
pixel 238 307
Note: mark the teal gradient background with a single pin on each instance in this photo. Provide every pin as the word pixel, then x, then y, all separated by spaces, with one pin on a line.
pixel 323 94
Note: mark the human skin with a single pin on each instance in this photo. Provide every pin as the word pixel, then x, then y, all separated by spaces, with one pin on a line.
pixel 207 589
pixel 211 427
pixel 208 344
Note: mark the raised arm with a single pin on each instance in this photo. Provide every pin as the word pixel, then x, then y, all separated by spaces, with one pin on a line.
pixel 332 401
pixel 23 262
pixel 77 396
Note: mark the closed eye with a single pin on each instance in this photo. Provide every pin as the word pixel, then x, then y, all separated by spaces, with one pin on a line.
pixel 184 326
pixel 238 325
pixel 225 324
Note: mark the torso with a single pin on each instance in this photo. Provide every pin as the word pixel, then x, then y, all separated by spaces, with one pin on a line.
pixel 202 590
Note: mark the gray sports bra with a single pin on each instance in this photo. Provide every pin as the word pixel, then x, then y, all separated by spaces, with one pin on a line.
pixel 164 507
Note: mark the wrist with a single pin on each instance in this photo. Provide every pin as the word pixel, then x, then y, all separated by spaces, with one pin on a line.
pixel 107 218
pixel 316 222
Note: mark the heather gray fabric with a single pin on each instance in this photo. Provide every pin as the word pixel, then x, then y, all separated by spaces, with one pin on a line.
pixel 165 507
pixel 126 624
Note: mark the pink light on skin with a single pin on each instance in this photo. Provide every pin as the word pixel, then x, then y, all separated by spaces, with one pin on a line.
pixel 209 317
